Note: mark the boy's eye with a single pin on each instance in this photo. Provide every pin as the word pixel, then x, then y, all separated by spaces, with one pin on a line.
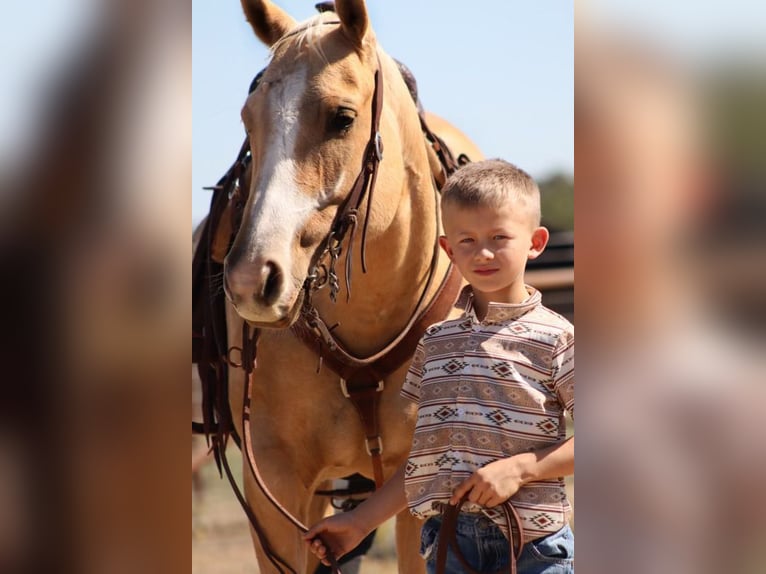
pixel 500 237
pixel 466 240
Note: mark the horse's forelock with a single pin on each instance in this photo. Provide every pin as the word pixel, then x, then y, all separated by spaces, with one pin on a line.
pixel 307 33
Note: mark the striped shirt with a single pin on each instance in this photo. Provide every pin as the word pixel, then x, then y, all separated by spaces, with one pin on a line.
pixel 485 391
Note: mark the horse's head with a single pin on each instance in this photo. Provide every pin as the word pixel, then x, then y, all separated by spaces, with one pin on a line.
pixel 308 123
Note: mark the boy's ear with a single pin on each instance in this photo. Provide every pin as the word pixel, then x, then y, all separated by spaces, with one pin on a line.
pixel 445 245
pixel 540 238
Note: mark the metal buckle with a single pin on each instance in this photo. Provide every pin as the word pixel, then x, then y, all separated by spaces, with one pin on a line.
pixel 344 387
pixel 379 445
pixel 378 146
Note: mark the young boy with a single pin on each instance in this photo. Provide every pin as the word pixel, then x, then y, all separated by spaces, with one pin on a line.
pixel 491 388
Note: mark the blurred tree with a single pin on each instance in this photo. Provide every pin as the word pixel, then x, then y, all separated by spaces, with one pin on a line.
pixel 557 199
pixel 735 96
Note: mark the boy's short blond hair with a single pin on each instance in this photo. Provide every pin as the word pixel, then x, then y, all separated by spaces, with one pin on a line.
pixel 492 183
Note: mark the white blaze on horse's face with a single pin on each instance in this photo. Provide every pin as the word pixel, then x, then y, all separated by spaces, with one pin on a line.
pixel 308 124
pixel 258 274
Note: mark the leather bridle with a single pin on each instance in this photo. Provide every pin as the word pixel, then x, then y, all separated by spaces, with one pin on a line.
pixel 361 379
pixel 448 538
pixel 346 218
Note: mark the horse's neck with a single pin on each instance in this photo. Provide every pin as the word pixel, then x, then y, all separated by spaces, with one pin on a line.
pixel 398 258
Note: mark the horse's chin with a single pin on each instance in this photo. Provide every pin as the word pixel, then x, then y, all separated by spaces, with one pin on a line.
pixel 285 318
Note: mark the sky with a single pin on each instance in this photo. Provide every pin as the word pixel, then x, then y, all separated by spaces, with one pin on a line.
pixel 700 32
pixel 503 73
pixel 501 70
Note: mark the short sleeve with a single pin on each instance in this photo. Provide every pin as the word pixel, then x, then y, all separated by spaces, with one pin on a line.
pixel 563 369
pixel 414 377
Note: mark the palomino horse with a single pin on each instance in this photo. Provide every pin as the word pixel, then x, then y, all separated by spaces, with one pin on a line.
pixel 309 123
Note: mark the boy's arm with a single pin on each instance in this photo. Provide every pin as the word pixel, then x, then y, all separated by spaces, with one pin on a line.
pixel 498 481
pixel 383 503
pixel 341 533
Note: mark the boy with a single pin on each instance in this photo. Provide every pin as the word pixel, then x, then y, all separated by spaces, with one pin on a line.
pixel 491 389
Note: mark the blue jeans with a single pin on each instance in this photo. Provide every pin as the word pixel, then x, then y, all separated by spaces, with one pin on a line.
pixel 485 548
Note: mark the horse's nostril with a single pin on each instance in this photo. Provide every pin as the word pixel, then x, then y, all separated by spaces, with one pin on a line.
pixel 273 284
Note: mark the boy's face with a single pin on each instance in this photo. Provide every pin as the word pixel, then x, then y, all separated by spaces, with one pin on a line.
pixel 491 246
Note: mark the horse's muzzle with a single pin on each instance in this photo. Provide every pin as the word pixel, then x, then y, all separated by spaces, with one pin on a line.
pixel 255 289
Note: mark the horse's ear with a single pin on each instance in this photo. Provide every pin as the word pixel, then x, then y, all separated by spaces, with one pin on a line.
pixel 269 21
pixel 353 17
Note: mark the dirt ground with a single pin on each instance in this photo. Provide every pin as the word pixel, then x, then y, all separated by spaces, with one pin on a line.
pixel 221 540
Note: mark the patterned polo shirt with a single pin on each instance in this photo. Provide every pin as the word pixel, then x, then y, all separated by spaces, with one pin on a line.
pixel 485 391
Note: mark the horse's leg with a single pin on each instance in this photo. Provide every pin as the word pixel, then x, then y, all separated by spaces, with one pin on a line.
pixel 408 543
pixel 285 485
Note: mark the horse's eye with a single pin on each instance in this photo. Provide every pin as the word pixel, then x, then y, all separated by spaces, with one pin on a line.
pixel 342 120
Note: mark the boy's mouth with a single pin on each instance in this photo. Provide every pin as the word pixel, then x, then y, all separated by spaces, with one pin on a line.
pixel 484 272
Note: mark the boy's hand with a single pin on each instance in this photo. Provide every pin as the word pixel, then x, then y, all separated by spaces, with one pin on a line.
pixel 339 534
pixel 492 484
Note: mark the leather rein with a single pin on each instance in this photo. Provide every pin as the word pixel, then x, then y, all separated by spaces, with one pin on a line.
pixel 361 379
pixel 448 538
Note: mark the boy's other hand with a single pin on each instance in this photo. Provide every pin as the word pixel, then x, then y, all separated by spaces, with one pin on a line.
pixel 338 534
pixel 492 484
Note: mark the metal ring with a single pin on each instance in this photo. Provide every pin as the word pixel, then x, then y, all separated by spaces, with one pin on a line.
pixel 229 360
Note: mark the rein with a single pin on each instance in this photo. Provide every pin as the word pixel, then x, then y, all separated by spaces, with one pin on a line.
pixel 345 221
pixel 448 538
pixel 361 379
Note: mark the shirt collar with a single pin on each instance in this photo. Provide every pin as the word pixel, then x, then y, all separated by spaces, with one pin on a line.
pixel 501 312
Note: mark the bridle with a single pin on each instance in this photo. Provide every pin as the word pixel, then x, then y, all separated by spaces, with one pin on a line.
pixel 361 378
pixel 346 218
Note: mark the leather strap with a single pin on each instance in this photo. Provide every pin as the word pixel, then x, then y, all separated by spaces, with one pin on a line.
pixel 346 218
pixel 249 354
pixel 448 538
pixel 366 400
pixel 365 182
pixel 231 216
pixel 210 352
pixel 449 165
pixel 209 347
pixel 362 379
pixel 209 341
pixel 378 366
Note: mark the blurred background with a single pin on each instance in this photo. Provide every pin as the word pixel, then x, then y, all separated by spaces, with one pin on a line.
pixel 669 156
pixel 95 179
pixel 95 173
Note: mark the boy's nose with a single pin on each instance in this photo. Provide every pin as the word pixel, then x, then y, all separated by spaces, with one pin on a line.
pixel 484 253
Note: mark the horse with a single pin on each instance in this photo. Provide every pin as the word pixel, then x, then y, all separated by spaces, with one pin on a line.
pixel 330 103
